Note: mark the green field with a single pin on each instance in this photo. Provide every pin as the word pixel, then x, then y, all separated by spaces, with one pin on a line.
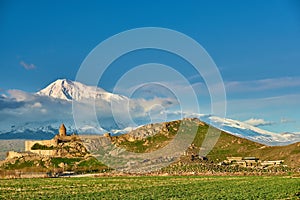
pixel 156 187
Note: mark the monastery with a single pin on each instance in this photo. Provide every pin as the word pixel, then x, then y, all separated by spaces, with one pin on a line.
pixel 45 147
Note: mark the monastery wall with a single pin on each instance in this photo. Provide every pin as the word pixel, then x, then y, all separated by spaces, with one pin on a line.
pixel 44 152
pixel 30 143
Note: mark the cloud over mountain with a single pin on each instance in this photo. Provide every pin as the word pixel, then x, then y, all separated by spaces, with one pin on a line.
pixel 57 101
pixel 87 109
pixel 258 122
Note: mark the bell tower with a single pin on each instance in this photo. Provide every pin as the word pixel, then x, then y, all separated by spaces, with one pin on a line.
pixel 62 130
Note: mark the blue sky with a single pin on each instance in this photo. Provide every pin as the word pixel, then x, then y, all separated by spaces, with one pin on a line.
pixel 255 44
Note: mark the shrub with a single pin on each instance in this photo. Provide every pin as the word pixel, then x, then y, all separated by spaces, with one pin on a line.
pixel 38 146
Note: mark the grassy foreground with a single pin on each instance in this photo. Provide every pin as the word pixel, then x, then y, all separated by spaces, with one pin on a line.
pixel 146 187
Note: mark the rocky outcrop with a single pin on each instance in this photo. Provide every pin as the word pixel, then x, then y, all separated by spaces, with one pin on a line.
pixel 165 128
pixel 71 149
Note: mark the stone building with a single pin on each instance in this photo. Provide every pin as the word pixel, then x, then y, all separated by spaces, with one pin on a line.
pixel 251 162
pixel 49 145
pixel 60 137
pixel 62 131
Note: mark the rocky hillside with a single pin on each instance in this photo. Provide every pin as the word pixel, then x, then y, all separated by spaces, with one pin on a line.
pixel 70 156
pixel 154 136
pixel 137 150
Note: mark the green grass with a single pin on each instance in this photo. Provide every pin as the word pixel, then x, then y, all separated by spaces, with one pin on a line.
pixel 154 142
pixel 19 165
pixel 177 187
pixel 91 165
pixel 78 165
pixel 157 141
pixel 69 161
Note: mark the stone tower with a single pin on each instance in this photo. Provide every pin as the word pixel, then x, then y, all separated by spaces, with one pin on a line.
pixel 62 130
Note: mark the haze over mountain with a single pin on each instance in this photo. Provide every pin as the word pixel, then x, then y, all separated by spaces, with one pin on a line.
pixel 41 113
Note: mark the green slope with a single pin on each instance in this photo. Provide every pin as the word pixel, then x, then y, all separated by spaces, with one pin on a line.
pixel 227 145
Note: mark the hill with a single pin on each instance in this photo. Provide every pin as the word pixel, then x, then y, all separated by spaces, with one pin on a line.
pixel 70 155
pixel 80 155
pixel 154 136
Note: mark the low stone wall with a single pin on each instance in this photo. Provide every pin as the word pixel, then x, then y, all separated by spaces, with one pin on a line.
pixel 44 152
pixel 14 154
pixel 16 174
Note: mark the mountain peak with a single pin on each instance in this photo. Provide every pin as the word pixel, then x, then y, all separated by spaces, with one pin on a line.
pixel 64 81
pixel 66 89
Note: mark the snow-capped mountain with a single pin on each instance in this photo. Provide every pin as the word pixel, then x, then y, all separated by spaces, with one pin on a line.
pixel 55 101
pixel 31 130
pixel 46 130
pixel 53 106
pixel 250 132
pixel 71 90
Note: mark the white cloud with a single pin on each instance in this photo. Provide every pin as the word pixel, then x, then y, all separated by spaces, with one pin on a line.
pixel 21 107
pixel 258 122
pixel 275 103
pixel 149 104
pixel 43 110
pixel 27 66
pixel 271 108
pixel 36 105
pixel 263 84
pixel 285 120
pixel 20 95
pixel 231 87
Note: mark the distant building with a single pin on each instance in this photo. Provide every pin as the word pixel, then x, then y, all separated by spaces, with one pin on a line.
pixel 234 159
pixel 45 147
pixel 251 162
pixel 272 162
pixel 251 158
pixel 62 131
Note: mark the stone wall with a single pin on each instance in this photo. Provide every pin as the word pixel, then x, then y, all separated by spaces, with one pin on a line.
pixel 18 174
pixel 30 143
pixel 44 152
pixel 14 154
